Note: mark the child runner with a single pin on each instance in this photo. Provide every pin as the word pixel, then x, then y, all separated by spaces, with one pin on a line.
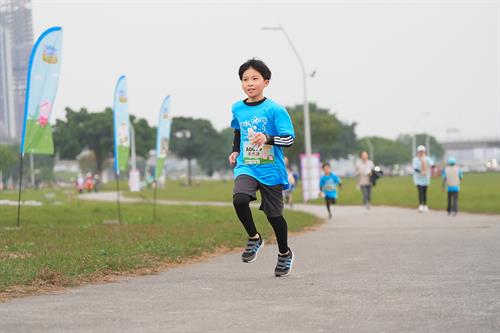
pixel 452 176
pixel 422 176
pixel 328 186
pixel 261 129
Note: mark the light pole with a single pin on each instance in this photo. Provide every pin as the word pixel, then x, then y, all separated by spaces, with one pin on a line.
pixel 186 134
pixel 133 157
pixel 307 123
pixel 370 149
pixel 414 139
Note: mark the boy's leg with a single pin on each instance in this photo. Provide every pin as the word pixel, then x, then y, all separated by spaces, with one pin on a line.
pixel 327 201
pixel 281 231
pixel 272 205
pixel 424 196
pixel 244 191
pixel 241 202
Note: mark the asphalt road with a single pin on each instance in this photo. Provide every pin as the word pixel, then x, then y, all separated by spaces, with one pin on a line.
pixel 387 270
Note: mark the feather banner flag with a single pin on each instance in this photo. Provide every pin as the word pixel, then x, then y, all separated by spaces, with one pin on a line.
pixel 43 79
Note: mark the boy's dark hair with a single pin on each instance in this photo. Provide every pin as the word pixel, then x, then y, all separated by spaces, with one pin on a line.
pixel 326 164
pixel 258 65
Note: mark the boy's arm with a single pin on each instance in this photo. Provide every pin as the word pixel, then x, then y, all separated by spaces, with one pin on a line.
pixel 277 140
pixel 285 134
pixel 236 141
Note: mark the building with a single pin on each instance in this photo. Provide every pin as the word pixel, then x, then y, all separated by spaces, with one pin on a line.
pixel 8 126
pixel 17 23
pixel 474 155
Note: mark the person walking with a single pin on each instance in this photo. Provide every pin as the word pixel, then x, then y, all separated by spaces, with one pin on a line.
pixel 364 167
pixel 422 165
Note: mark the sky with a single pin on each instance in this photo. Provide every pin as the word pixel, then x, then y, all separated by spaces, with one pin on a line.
pixel 390 66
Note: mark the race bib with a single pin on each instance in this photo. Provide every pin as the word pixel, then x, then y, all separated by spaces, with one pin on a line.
pixel 257 154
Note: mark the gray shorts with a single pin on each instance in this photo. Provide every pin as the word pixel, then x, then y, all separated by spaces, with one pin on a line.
pixel 272 196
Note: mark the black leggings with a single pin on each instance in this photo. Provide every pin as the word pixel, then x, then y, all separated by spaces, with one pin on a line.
pixel 422 194
pixel 241 202
pixel 328 202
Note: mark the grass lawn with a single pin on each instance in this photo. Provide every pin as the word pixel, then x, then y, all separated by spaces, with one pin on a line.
pixel 67 243
pixel 480 193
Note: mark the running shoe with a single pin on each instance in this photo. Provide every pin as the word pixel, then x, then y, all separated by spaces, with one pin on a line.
pixel 284 265
pixel 253 247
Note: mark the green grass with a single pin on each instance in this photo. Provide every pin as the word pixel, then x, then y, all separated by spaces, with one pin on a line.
pixel 203 191
pixel 68 243
pixel 480 193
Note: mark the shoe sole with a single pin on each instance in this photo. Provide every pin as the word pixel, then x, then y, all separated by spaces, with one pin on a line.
pixel 256 253
pixel 291 266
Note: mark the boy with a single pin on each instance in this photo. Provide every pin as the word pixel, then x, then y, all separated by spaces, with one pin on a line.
pixel 261 129
pixel 452 176
pixel 328 186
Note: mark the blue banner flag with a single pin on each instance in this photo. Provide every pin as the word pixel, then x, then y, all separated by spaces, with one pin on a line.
pixel 41 89
pixel 163 136
pixel 121 125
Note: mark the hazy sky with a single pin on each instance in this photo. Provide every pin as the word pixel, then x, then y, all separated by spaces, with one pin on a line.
pixel 379 63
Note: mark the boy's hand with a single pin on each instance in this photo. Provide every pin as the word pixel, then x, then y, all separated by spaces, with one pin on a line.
pixel 233 157
pixel 259 139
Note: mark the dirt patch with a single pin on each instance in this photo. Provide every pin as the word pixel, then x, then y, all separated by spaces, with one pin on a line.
pixel 48 281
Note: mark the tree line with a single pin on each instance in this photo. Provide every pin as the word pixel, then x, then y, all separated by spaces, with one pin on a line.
pixel 331 137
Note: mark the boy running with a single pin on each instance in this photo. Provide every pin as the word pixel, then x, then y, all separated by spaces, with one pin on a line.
pixel 328 186
pixel 452 177
pixel 261 129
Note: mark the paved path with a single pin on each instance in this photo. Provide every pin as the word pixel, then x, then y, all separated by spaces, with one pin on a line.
pixel 388 270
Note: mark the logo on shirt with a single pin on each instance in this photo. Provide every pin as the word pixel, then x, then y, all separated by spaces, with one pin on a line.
pixel 257 124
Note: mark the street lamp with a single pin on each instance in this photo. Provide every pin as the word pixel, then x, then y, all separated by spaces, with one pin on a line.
pixel 186 134
pixel 370 149
pixel 307 123
pixel 414 139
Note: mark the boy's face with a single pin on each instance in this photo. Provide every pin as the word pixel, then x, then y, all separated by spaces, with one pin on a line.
pixel 253 83
pixel 326 170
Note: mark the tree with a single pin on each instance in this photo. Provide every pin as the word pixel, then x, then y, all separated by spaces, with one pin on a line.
pixel 95 131
pixel 330 137
pixel 196 139
pixel 386 151
pixel 8 160
pixel 145 136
